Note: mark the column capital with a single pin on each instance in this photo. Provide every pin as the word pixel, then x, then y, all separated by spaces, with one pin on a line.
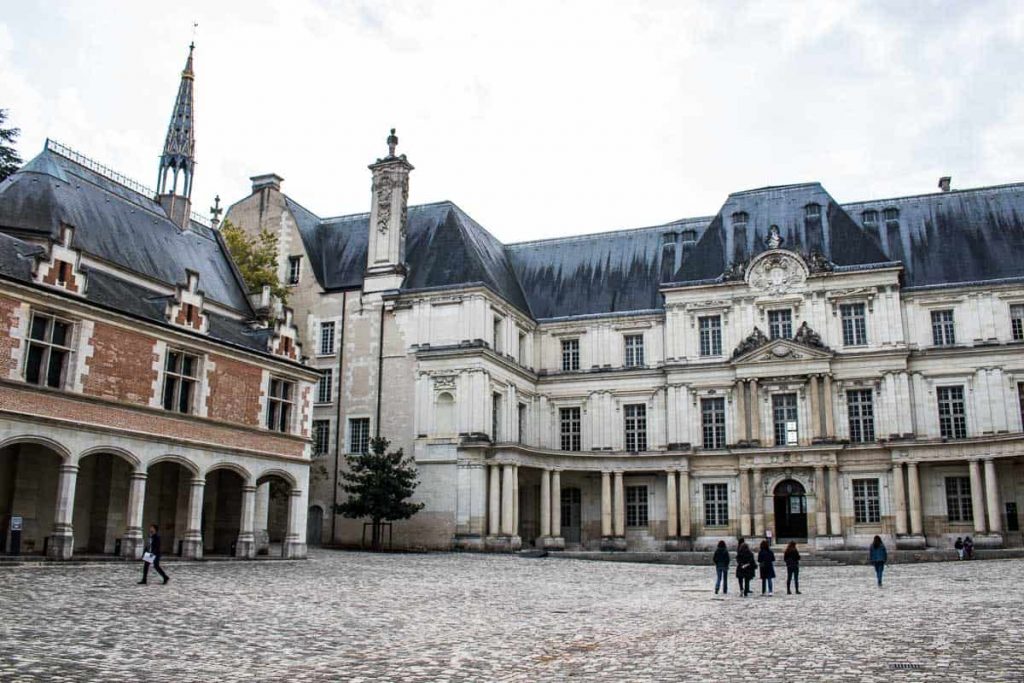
pixel 819 468
pixel 295 493
pixel 70 468
pixel 248 488
pixel 198 482
pixel 139 475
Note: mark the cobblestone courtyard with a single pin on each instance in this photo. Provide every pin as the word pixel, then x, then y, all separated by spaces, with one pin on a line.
pixel 353 616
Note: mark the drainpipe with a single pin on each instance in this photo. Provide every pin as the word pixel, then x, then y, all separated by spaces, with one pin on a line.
pixel 340 438
pixel 380 367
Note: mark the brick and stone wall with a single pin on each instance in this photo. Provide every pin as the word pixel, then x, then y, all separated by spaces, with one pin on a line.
pixel 121 367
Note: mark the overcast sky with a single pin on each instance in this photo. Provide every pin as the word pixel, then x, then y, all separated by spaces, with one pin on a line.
pixel 539 119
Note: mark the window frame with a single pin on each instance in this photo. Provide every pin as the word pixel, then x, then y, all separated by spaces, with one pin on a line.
pixel 867 501
pixel 943 327
pixel 325 326
pixel 716 506
pixel 959 502
pixel 294 273
pixel 712 422
pixel 783 327
pixel 280 405
pixel 570 354
pixel 321 431
pixel 1017 322
pixel 637 507
pixel 860 415
pixel 709 330
pixel 570 428
pixel 47 346
pixel 853 318
pixel 179 379
pixel 496 431
pixel 325 383
pixel 952 424
pixel 635 427
pixel 777 399
pixel 498 334
pixel 633 344
pixel 363 435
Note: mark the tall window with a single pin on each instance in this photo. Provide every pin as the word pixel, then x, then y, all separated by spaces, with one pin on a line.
pixel 569 421
pixel 49 347
pixel 1020 399
pixel 321 437
pixel 180 371
pixel 522 348
pixel 499 346
pixel 636 506
pixel 522 423
pixel 958 499
pixel 869 217
pixel 570 354
pixel 1017 322
pixel 294 269
pixel 495 417
pixel 780 324
pixel 866 508
pixel 860 408
pixel 716 505
pixel 710 335
pixel 359 435
pixel 279 405
pixel 855 331
pixel 784 416
pixel 325 388
pixel 327 338
pixel 634 350
pixel 952 412
pixel 942 328
pixel 636 427
pixel 712 416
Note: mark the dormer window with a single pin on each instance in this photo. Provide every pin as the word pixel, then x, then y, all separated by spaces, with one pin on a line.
pixel 812 211
pixel 668 238
pixel 891 215
pixel 869 217
pixel 63 272
pixel 294 269
pixel 688 235
pixel 739 218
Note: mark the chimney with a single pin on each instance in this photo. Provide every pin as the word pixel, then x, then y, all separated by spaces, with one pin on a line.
pixel 944 183
pixel 271 180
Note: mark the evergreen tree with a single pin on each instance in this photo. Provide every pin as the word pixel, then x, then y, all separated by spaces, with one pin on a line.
pixel 256 258
pixel 9 159
pixel 379 484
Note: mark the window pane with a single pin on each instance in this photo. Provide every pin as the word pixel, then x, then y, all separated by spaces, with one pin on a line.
pixel 40 326
pixel 60 333
pixel 34 364
pixel 56 370
pixel 185 397
pixel 170 387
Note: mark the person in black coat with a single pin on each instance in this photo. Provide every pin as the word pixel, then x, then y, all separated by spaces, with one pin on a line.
pixel 766 561
pixel 792 559
pixel 745 568
pixel 721 560
pixel 153 548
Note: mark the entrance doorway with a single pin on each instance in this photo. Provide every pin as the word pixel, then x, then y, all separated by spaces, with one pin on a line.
pixel 314 526
pixel 571 505
pixel 790 511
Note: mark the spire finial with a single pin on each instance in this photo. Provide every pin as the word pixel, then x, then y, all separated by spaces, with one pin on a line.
pixel 392 143
pixel 215 211
pixel 177 162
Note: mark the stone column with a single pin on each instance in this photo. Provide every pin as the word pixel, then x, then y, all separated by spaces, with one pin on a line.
pixel 606 504
pixel 619 506
pixel 192 547
pixel 820 511
pixel 133 543
pixel 899 499
pixel 830 429
pixel 758 503
pixel 507 511
pixel 294 546
pixel 261 517
pixel 494 502
pixel 671 501
pixel 977 499
pixel 245 546
pixel 685 525
pixel 545 503
pixel 815 409
pixel 745 503
pixel 995 516
pixel 515 500
pixel 914 486
pixel 62 540
pixel 833 497
pixel 755 413
pixel 556 542
pixel 741 413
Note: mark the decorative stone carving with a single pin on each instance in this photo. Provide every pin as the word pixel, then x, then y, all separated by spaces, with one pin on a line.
pixel 735 271
pixel 756 339
pixel 444 382
pixel 774 239
pixel 382 189
pixel 776 272
pixel 819 263
pixel 808 337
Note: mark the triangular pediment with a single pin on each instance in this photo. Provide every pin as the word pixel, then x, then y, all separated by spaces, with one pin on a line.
pixel 782 351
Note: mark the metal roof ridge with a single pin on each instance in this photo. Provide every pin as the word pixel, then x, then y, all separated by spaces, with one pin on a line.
pixel 934 194
pixel 569 238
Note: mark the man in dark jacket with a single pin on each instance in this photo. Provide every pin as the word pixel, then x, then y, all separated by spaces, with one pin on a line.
pixel 721 560
pixel 153 553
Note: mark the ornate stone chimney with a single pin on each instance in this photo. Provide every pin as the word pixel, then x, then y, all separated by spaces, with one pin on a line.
pixel 385 254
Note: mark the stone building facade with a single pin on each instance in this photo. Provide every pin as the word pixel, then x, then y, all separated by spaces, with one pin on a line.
pixel 818 371
pixel 139 381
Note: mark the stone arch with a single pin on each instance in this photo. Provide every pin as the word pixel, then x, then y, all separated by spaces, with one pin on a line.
pixel 240 470
pixel 223 500
pixel 315 525
pixel 444 413
pixel 775 477
pixel 166 502
pixel 181 460
pixel 278 520
pixel 55 446
pixel 100 516
pixel 276 472
pixel 122 453
pixel 30 473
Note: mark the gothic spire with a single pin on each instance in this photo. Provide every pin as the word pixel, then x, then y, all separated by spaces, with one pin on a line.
pixel 179 148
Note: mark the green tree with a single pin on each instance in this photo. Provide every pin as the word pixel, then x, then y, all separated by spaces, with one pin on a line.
pixel 379 485
pixel 9 159
pixel 256 258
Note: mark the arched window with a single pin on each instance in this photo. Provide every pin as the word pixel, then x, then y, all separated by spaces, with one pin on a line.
pixel 444 414
pixel 739 218
pixel 812 211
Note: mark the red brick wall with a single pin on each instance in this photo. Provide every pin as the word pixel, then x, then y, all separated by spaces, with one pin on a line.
pixel 8 343
pixel 234 392
pixel 121 366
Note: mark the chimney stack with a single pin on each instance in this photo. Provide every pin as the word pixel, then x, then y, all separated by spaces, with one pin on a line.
pixel 944 183
pixel 271 180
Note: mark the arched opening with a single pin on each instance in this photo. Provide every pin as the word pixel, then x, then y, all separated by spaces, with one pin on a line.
pixel 101 503
pixel 168 486
pixel 445 414
pixel 315 526
pixel 790 511
pixel 273 512
pixel 222 511
pixel 29 474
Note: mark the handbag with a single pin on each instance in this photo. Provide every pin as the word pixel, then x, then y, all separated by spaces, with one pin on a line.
pixel 148 558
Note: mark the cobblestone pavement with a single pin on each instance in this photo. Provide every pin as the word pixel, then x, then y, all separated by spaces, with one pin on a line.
pixel 446 617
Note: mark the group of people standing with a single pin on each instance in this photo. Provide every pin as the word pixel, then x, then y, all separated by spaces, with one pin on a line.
pixel 964 548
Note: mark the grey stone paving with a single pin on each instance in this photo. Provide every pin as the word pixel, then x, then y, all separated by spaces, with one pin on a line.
pixel 360 617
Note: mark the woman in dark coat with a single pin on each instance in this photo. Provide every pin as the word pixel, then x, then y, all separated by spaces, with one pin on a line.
pixel 766 561
pixel 878 556
pixel 792 559
pixel 721 560
pixel 745 567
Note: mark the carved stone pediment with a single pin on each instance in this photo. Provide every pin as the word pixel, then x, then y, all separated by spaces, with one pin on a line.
pixel 755 340
pixel 784 350
pixel 776 272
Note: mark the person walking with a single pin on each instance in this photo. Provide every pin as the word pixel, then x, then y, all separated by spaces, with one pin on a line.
pixel 721 560
pixel 152 556
pixel 745 567
pixel 968 548
pixel 878 556
pixel 959 546
pixel 792 559
pixel 766 561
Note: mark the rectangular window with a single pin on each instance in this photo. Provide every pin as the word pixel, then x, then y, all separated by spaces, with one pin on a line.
pixel 942 328
pixel 952 412
pixel 294 269
pixel 716 505
pixel 522 348
pixel 49 347
pixel 325 388
pixel 784 415
pixel 569 425
pixel 636 506
pixel 327 338
pixel 499 347
pixel 712 415
pixel 958 499
pixel 321 437
pixel 634 350
pixel 279 405
pixel 636 427
pixel 855 331
pixel 180 370
pixel 860 407
pixel 780 324
pixel 710 335
pixel 359 435
pixel 495 417
pixel 522 423
pixel 1017 322
pixel 570 354
pixel 866 507
pixel 1020 399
